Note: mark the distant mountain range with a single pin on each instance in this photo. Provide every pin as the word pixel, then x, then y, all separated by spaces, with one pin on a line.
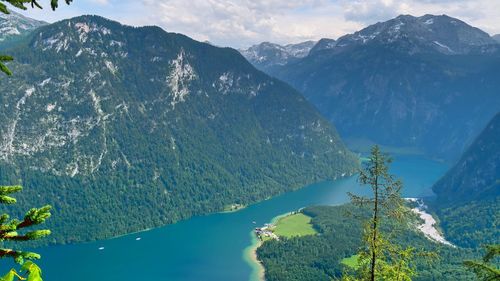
pixel 123 128
pixel 14 26
pixel 425 84
pixel 268 55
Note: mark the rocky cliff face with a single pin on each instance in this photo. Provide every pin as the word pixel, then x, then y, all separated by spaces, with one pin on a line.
pixel 14 26
pixel 137 127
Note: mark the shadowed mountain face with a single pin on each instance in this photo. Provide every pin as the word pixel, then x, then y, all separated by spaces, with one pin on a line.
pixel 429 83
pixel 14 26
pixel 124 128
pixel 468 195
pixel 496 38
pixel 266 56
pixel 477 174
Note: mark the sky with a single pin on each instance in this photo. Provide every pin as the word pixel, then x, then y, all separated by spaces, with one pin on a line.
pixel 242 23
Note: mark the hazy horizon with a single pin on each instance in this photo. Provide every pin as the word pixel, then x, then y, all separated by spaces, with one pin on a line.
pixel 242 23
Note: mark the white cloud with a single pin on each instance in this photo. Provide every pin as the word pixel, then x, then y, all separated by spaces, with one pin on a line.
pixel 240 23
pixel 243 22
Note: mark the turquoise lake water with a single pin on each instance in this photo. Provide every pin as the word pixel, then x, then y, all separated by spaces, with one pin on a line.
pixel 209 248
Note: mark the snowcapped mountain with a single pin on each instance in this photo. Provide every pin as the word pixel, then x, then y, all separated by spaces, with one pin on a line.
pixel 14 25
pixel 267 55
pixel 324 44
pixel 115 122
pixel 428 83
pixel 427 33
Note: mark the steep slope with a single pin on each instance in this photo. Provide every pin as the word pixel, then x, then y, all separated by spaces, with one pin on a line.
pixel 496 37
pixel 477 173
pixel 124 128
pixel 469 194
pixel 323 44
pixel 266 56
pixel 14 26
pixel 428 83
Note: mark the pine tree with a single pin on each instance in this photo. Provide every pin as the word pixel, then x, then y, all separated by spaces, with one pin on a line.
pixel 379 258
pixel 9 227
pixel 485 270
pixel 9 232
pixel 21 4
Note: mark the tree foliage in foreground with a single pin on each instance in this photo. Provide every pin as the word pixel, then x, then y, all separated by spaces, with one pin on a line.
pixel 14 230
pixel 9 227
pixel 486 270
pixel 23 5
pixel 379 257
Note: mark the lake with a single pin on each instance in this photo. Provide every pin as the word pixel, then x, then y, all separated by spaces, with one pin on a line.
pixel 209 248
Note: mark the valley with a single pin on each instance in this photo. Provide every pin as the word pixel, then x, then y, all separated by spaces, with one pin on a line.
pixel 211 247
pixel 365 147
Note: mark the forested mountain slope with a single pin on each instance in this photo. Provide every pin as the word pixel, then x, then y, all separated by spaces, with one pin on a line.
pixel 124 128
pixel 468 196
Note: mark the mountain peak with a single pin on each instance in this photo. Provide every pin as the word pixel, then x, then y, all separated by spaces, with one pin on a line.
pixel 324 44
pixel 132 109
pixel 439 33
pixel 267 54
pixel 15 25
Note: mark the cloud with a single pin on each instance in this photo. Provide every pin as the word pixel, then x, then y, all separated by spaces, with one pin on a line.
pixel 240 23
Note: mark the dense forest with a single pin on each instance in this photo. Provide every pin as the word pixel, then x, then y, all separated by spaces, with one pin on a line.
pixel 318 257
pixel 122 129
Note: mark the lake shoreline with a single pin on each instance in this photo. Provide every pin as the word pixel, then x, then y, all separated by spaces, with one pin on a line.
pixel 250 253
pixel 250 256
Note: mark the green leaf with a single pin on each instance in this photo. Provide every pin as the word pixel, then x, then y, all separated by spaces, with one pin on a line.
pixel 9 276
pixel 4 199
pixel 34 272
pixel 4 69
pixel 3 9
pixel 4 190
pixel 38 234
pixel 38 216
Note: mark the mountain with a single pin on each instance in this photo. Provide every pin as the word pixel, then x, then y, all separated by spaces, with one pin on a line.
pixel 425 84
pixel 477 174
pixel 268 55
pixel 496 37
pixel 468 195
pixel 323 44
pixel 123 129
pixel 428 33
pixel 14 26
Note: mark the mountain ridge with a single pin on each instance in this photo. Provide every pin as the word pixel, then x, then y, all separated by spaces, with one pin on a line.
pixel 15 26
pixel 137 127
pixel 400 90
pixel 268 55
